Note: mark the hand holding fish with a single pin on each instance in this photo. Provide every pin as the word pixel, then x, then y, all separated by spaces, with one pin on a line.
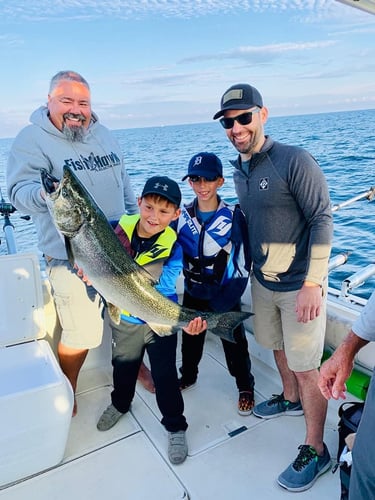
pixel 196 326
pixel 82 275
pixel 50 184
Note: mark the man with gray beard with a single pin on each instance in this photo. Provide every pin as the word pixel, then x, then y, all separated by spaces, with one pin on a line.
pixel 67 132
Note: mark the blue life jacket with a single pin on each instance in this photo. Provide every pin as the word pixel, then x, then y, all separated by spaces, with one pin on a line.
pixel 216 254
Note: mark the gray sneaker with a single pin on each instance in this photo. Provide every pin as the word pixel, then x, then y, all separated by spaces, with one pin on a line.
pixel 177 447
pixel 277 406
pixel 109 418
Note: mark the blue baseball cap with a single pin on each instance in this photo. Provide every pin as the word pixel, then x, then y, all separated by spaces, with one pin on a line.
pixel 205 165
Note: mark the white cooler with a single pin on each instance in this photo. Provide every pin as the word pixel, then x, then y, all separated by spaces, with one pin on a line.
pixel 36 399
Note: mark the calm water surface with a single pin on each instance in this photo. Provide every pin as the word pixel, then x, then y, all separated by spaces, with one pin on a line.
pixel 343 144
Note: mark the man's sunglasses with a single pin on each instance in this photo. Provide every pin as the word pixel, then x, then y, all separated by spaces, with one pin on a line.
pixel 197 178
pixel 243 119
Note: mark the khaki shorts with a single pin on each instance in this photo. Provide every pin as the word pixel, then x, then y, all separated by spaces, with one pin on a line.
pixel 276 327
pixel 78 306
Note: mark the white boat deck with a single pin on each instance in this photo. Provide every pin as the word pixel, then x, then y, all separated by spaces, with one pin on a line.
pixel 229 455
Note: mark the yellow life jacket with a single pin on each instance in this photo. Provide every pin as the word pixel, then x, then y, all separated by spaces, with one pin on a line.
pixel 152 259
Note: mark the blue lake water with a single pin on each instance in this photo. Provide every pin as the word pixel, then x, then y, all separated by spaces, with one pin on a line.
pixel 343 143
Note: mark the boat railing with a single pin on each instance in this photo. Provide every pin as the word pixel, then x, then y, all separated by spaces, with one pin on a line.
pixel 360 277
pixel 368 195
pixel 351 282
pixel 357 279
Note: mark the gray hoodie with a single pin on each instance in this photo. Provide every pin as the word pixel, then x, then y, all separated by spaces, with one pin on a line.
pixel 97 162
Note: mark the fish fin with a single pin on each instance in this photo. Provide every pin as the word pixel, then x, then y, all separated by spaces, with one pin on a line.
pixel 68 248
pixel 162 330
pixel 114 313
pixel 227 322
pixel 148 276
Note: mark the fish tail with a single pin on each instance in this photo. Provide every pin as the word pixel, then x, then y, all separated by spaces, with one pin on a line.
pixel 225 323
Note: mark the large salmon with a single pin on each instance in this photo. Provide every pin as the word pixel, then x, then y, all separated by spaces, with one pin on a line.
pixel 93 245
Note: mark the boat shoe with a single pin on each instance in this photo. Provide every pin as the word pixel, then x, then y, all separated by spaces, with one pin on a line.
pixel 177 447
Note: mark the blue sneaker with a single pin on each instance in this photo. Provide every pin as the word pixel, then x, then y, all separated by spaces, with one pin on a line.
pixel 305 470
pixel 277 406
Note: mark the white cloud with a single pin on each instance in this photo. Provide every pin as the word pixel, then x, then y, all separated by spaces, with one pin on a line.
pixel 9 40
pixel 129 9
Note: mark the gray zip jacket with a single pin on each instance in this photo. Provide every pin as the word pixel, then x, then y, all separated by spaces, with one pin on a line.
pixel 97 162
pixel 285 198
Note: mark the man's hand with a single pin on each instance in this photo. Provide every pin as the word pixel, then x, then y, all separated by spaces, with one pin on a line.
pixel 308 302
pixel 337 369
pixel 333 375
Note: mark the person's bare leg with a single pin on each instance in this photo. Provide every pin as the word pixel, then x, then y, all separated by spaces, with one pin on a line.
pixel 288 378
pixel 71 361
pixel 314 407
pixel 145 378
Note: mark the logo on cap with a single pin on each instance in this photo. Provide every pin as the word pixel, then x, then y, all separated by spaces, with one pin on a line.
pixel 198 160
pixel 164 187
pixel 232 94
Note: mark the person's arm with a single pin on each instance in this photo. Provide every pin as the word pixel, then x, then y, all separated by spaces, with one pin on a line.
pixel 172 268
pixel 131 206
pixel 23 175
pixel 312 196
pixel 337 369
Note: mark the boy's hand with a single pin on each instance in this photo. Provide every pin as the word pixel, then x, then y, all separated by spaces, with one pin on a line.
pixel 196 326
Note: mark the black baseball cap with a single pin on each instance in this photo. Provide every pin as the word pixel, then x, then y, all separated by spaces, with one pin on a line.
pixel 163 186
pixel 239 96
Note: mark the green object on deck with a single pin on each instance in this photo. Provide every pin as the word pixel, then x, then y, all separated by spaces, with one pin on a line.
pixel 358 382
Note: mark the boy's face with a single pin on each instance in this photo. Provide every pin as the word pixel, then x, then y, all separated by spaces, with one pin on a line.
pixel 206 190
pixel 155 215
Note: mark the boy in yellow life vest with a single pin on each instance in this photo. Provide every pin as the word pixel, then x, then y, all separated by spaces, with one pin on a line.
pixel 148 238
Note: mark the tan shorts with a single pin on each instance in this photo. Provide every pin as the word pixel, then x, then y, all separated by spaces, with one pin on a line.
pixel 276 327
pixel 78 306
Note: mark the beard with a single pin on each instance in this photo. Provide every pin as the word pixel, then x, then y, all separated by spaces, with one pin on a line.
pixel 251 146
pixel 74 133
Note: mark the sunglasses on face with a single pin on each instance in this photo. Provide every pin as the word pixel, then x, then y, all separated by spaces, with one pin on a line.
pixel 198 178
pixel 243 119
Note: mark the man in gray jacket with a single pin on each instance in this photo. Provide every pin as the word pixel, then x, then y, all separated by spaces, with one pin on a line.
pixel 285 198
pixel 67 133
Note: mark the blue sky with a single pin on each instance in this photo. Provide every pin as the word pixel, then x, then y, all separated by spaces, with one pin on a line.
pixel 161 62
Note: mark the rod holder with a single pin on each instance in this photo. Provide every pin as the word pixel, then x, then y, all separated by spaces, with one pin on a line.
pixel 357 279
